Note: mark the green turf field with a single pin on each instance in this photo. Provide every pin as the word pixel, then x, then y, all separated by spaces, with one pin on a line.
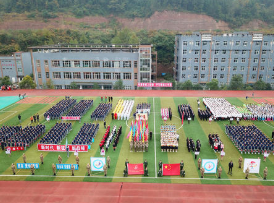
pixel 197 129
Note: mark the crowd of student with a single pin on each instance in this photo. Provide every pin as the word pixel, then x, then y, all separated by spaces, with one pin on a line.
pixel 110 137
pixel 16 136
pixel 169 138
pixel 204 114
pixel 123 109
pixel 60 108
pixel 190 144
pixel 80 108
pixel 86 134
pixel 56 134
pixel 101 112
pixel 215 142
pixel 261 112
pixel 185 111
pixel 142 108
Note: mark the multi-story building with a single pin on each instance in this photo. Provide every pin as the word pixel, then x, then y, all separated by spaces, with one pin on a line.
pixel 202 57
pixel 89 64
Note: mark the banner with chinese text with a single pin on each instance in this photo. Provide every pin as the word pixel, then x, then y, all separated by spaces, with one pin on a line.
pixel 135 169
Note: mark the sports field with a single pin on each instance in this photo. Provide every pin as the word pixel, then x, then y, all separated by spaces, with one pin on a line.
pixel 197 129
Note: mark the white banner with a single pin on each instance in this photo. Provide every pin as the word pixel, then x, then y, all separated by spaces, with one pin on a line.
pixel 210 165
pixel 253 164
pixel 97 163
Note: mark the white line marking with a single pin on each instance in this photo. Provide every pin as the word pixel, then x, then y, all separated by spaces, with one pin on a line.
pixel 14 112
pixel 268 124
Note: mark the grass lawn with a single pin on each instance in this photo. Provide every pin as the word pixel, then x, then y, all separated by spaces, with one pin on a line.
pixel 197 129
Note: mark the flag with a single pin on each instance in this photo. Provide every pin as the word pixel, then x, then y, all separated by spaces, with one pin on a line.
pixel 171 169
pixel 135 169
pixel 183 118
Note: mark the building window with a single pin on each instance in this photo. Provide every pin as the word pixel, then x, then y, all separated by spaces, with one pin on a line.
pixel 214 75
pixel 254 68
pixel 253 76
pixel 107 76
pixel 257 43
pixel 272 77
pixel 262 67
pixel 263 60
pixel 223 60
pixel 116 64
pixel 127 64
pixel 265 43
pixel 225 43
pixel 204 52
pixel 67 75
pixel 185 43
pixel 217 42
pixel 38 63
pixel 183 75
pixel 117 76
pixel 135 76
pixel 46 63
pixel 18 62
pixel 135 64
pixel 127 76
pixel 76 64
pixel 234 68
pixel 235 60
pixel 195 67
pixel 106 64
pixel 67 87
pixel 237 43
pixel 216 51
pixel 197 43
pixel 224 51
pixel 204 43
pixel 264 52
pixel 195 76
pixel 56 75
pixel 203 67
pixel 242 68
pixel 76 75
pixel 86 64
pixel 222 76
pixel 87 75
pixel 55 63
pixel 95 64
pixel 47 74
pixel 20 70
pixel 57 87
pixel 255 60
pixel 184 59
pixel 215 68
pixel 196 60
pixel 196 52
pixel 256 51
pixel 244 52
pixel 203 60
pixel 184 51
pixel 236 51
pixel 183 68
pixel 202 75
pixel 127 87
pixel 66 64
pixel 260 76
pixel 245 43
pixel 222 68
pixel 243 60
pixel 39 75
pixel 215 60
pixel 96 76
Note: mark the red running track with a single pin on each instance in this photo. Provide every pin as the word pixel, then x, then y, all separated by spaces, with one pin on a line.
pixel 27 191
pixel 140 93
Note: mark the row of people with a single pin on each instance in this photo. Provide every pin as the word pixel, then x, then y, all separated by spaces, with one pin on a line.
pixel 80 108
pixel 123 109
pixel 60 108
pixel 56 134
pixel 185 112
pixel 166 113
pixel 101 111
pixel 105 137
pixel 116 139
pixel 204 114
pixel 139 146
pixel 86 134
pixel 264 112
pixel 142 108
pixel 249 139
pixel 190 144
pixel 111 137
pixel 215 142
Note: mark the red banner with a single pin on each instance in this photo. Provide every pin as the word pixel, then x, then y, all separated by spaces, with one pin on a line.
pixel 171 169
pixel 154 84
pixel 71 118
pixel 15 148
pixel 62 148
pixel 135 169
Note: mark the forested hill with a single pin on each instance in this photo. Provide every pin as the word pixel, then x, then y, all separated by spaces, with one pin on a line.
pixel 234 12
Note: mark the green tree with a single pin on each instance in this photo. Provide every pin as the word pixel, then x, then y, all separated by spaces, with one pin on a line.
pixel 27 83
pixel 118 85
pixel 213 84
pixel 50 84
pixel 125 36
pixel 6 81
pixel 259 85
pixel 187 85
pixel 96 86
pixel 236 83
pixel 73 85
pixel 197 87
pixel 268 86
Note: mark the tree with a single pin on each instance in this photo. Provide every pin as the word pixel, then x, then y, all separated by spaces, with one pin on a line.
pixel 236 83
pixel 212 85
pixel 50 84
pixel 197 87
pixel 268 86
pixel 27 83
pixel 259 85
pixel 96 86
pixel 73 85
pixel 118 85
pixel 6 81
pixel 187 85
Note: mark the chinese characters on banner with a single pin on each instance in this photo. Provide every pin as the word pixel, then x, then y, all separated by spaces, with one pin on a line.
pixel 71 118
pixel 62 148
pixel 66 166
pixel 15 148
pixel 154 84
pixel 27 165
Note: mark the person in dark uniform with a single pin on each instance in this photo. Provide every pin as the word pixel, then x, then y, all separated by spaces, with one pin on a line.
pixel 182 173
pixel 112 115
pixel 146 172
pixel 145 164
pixel 160 164
pixel 2 145
pixel 37 117
pixel 19 118
pixel 126 162
pixel 230 166
pixel 34 118
pixel 105 124
pixel 150 135
pixel 182 165
pixel 160 173
pixel 125 172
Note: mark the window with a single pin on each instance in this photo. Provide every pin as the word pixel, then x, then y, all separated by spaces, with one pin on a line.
pixel 214 75
pixel 56 75
pixel 225 43
pixel 46 63
pixel 39 75
pixel 272 77
pixel 236 51
pixel 255 60
pixel 47 74
pixel 184 51
pixel 183 75
pixel 235 60
pixel 265 43
pixel 237 43
pixel 243 60
pixel 203 68
pixel 222 68
pixel 127 64
pixel 96 76
pixel 127 87
pixel 57 87
pixel 197 43
pixel 116 64
pixel 87 75
pixel 224 51
pixel 257 43
pixel 222 76
pixel 203 60
pixel 260 76
pixel 76 64
pixel 55 63
pixel 217 43
pixel 135 64
pixel 18 62
pixel 245 43
pixel 183 68
pixel 38 63
pixel 262 68
pixel 66 64
pixel 254 68
pixel 106 64
pixel 86 64
pixel 256 51
pixel 196 52
pixel 127 76
pixel 264 52
pixel 263 60
pixel 67 87
pixel 117 76
pixel 244 52
pixel 76 75
pixel 107 76
pixel 202 75
pixel 96 64
pixel 135 76
pixel 19 69
pixel 195 67
pixel 215 68
pixel 184 59
pixel 216 51
pixel 204 52
pixel 242 68
pixel 204 43
pixel 223 60
pixel 253 76
pixel 215 60
pixel 196 60
pixel 234 68
pixel 195 76
pixel 185 43
pixel 67 75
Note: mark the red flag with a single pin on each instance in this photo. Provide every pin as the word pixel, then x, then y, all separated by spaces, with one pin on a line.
pixel 182 118
pixel 136 169
pixel 171 169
